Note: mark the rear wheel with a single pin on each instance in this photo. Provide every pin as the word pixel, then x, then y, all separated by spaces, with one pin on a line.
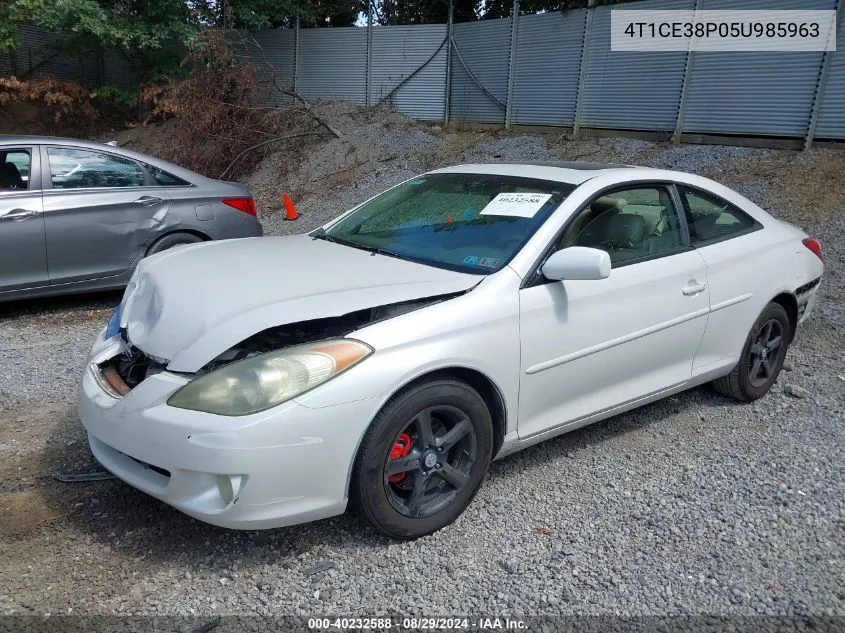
pixel 173 239
pixel 762 357
pixel 422 459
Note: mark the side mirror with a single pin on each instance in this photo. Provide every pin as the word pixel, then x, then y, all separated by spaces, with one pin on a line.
pixel 577 262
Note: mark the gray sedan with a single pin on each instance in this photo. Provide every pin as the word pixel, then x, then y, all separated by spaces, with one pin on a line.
pixel 78 215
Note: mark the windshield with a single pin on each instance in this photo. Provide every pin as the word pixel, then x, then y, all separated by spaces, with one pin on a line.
pixel 467 222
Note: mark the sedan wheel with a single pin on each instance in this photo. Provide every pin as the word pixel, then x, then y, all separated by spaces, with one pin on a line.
pixel 762 357
pixel 423 459
pixel 430 461
pixel 171 240
pixel 764 352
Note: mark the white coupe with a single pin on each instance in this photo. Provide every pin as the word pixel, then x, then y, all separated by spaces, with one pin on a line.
pixel 382 361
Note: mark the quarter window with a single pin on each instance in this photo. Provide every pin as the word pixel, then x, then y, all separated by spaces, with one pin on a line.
pixel 711 218
pixel 77 168
pixel 629 224
pixel 165 178
pixel 14 170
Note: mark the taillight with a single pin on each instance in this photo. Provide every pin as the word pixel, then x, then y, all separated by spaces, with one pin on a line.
pixel 815 246
pixel 247 205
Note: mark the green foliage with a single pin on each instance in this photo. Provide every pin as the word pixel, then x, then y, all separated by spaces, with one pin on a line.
pixel 115 97
pixel 143 28
pixel 135 24
pixel 261 14
pixel 147 29
pixel 11 14
pixel 427 11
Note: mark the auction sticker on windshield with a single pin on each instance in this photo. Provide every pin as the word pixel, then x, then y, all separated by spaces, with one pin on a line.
pixel 521 205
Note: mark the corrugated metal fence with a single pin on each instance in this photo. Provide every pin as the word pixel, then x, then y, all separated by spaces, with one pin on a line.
pixel 553 69
pixel 557 69
pixel 37 56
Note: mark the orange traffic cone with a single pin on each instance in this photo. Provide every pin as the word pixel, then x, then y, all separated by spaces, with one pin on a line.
pixel 290 211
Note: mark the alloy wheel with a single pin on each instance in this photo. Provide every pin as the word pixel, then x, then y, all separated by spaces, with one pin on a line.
pixel 765 352
pixel 430 461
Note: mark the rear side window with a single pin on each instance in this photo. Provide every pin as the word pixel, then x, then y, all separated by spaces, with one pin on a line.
pixel 79 168
pixel 14 170
pixel 711 219
pixel 165 178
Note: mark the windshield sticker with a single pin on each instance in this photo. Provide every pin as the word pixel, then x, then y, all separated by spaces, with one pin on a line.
pixel 486 262
pixel 521 205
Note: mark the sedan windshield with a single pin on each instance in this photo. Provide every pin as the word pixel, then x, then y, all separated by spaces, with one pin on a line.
pixel 472 223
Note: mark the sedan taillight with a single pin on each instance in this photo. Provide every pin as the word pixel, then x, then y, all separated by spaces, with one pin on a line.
pixel 246 205
pixel 815 246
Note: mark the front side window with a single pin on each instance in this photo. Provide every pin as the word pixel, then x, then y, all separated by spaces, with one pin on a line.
pixel 711 218
pixel 78 168
pixel 472 223
pixel 14 170
pixel 628 224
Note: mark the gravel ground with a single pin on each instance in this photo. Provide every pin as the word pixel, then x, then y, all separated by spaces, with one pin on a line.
pixel 695 504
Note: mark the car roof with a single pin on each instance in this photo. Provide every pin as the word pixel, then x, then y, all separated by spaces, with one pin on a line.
pixel 570 172
pixel 12 139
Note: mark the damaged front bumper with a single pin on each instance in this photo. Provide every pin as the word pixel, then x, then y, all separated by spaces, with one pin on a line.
pixel 287 465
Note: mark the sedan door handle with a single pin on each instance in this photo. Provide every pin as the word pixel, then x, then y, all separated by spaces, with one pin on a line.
pixel 694 289
pixel 148 201
pixel 18 214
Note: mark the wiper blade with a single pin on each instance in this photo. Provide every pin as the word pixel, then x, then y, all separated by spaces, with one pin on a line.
pixel 377 250
pixel 321 234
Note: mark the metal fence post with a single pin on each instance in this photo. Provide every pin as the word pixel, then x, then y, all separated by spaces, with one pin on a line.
pixel 821 84
pixel 296 57
pixel 579 99
pixel 682 104
pixel 369 50
pixel 448 95
pixel 512 64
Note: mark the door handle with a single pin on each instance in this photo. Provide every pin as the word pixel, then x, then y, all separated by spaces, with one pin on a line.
pixel 694 288
pixel 148 201
pixel 18 215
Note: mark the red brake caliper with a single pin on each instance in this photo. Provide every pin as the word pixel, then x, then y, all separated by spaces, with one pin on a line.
pixel 400 449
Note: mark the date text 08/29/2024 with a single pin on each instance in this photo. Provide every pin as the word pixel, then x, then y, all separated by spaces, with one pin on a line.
pixel 417 623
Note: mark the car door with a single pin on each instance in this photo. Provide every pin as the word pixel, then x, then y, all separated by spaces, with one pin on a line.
pixel 100 212
pixel 23 255
pixel 737 258
pixel 591 346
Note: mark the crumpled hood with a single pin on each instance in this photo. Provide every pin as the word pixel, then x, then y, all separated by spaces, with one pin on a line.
pixel 190 304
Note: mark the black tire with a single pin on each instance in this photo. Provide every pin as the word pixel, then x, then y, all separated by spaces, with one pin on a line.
pixel 172 239
pixel 756 372
pixel 448 484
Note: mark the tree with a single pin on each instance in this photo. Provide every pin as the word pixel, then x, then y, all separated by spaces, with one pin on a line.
pixel 332 12
pixel 264 14
pixel 503 8
pixel 143 28
pixel 11 15
pixel 424 11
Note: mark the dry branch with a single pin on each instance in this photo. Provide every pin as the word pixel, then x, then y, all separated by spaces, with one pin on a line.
pixel 262 144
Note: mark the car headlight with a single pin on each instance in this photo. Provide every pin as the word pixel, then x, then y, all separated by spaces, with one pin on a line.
pixel 258 383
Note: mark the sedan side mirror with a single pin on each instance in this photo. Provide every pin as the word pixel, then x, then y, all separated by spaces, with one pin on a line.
pixel 577 262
